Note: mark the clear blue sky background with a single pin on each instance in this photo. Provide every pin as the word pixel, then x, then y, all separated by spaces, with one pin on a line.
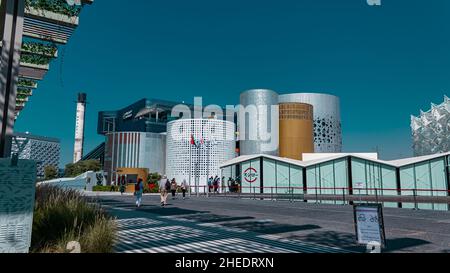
pixel 385 63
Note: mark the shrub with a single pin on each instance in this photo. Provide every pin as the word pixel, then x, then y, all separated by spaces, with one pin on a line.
pixel 50 172
pixel 105 188
pixel 152 185
pixel 63 215
pixel 75 169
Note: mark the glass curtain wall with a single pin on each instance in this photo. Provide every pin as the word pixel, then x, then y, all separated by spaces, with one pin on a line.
pixel 250 176
pixel 371 178
pixel 277 177
pixel 426 179
pixel 283 178
pixel 328 178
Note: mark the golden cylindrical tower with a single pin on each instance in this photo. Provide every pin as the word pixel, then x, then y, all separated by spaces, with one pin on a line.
pixel 296 130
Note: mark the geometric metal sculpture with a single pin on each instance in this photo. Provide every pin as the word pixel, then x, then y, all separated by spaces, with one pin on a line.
pixel 431 130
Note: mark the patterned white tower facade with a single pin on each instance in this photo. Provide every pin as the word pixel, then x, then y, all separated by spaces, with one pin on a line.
pixel 196 148
pixel 327 119
pixel 79 128
pixel 431 130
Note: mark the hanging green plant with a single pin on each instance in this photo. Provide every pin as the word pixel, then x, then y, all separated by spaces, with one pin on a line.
pixel 39 48
pixel 24 91
pixel 35 59
pixel 21 96
pixel 26 83
pixel 57 6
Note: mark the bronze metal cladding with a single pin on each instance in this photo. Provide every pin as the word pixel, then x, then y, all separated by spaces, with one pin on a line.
pixel 296 130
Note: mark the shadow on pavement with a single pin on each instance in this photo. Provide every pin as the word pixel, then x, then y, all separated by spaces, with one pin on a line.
pixel 347 241
pixel 167 211
pixel 214 218
pixel 266 227
pixel 402 243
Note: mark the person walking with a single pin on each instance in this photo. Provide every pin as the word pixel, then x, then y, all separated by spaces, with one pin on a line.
pixel 122 187
pixel 138 191
pixel 173 187
pixel 183 187
pixel 164 187
pixel 210 182
pixel 216 184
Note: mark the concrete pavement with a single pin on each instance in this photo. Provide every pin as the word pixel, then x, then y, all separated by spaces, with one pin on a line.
pixel 239 225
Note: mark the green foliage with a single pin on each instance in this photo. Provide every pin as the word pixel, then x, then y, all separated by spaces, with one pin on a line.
pixel 26 83
pixel 24 92
pixel 153 178
pixel 57 6
pixel 105 188
pixel 50 172
pixel 75 169
pixel 62 215
pixel 39 48
pixel 21 96
pixel 35 59
pixel 152 183
pixel 21 99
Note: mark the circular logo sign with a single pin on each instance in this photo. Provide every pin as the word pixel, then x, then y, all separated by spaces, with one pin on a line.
pixel 251 175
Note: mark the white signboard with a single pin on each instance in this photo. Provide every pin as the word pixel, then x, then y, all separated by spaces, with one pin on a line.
pixel 369 224
pixel 359 185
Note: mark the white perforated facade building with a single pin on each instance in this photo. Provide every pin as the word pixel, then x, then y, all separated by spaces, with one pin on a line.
pixel 214 144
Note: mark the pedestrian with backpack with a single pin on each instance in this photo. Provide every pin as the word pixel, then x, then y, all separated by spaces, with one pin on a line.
pixel 164 187
pixel 138 191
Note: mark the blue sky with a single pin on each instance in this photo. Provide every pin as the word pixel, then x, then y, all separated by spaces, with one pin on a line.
pixel 385 63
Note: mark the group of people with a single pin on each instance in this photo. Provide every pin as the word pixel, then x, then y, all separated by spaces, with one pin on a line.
pixel 233 185
pixel 213 184
pixel 165 186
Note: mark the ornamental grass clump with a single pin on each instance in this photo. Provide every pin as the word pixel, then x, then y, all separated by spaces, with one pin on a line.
pixel 63 215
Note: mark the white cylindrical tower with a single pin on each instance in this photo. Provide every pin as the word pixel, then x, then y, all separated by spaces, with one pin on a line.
pixel 196 148
pixel 258 122
pixel 79 127
pixel 327 119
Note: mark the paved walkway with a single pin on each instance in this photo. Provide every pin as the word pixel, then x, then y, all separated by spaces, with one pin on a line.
pixel 233 225
pixel 152 229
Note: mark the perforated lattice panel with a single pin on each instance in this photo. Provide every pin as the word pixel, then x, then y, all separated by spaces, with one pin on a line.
pixel 17 189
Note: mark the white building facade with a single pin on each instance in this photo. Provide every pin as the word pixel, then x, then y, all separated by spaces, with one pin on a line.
pixel 258 124
pixel 135 150
pixel 196 148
